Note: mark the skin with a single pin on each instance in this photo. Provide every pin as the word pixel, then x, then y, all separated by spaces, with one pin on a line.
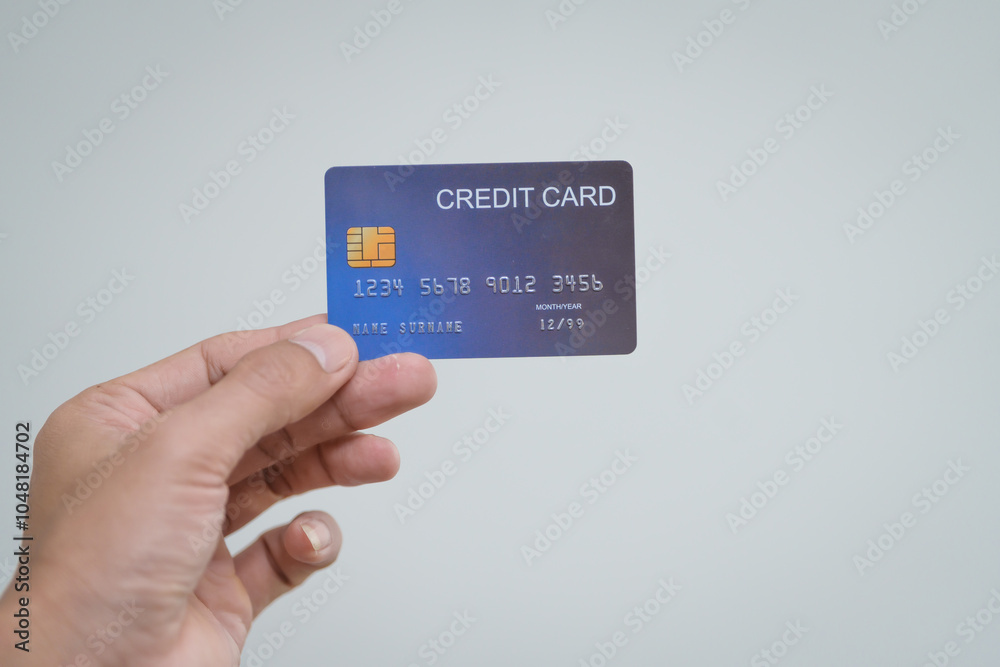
pixel 252 417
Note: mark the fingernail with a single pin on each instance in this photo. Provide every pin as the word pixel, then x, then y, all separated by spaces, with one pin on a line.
pixel 317 533
pixel 326 343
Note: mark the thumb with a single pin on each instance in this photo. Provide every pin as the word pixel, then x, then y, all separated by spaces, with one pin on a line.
pixel 269 388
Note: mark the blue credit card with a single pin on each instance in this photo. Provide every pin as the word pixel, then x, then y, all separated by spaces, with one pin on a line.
pixel 483 260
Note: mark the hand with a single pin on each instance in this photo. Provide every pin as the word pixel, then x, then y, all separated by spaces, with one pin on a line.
pixel 137 480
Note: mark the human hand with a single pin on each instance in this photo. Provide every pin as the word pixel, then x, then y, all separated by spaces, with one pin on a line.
pixel 227 427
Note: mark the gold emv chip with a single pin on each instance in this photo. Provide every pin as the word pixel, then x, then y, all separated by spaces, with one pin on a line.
pixel 370 247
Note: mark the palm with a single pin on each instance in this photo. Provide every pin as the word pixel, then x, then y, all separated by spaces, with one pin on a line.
pixel 212 620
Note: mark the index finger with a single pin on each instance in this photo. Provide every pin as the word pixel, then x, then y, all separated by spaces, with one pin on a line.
pixel 267 389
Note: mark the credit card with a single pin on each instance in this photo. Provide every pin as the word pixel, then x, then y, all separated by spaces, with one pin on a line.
pixel 483 260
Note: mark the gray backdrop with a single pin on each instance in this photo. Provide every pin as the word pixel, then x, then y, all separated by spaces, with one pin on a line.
pixel 819 175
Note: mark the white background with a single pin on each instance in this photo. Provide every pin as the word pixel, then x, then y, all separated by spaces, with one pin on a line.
pixel 688 125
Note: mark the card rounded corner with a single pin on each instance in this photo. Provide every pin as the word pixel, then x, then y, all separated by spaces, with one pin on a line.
pixel 628 166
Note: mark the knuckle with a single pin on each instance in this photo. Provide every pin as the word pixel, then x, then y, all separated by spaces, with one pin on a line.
pixel 223 346
pixel 277 481
pixel 347 413
pixel 280 446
